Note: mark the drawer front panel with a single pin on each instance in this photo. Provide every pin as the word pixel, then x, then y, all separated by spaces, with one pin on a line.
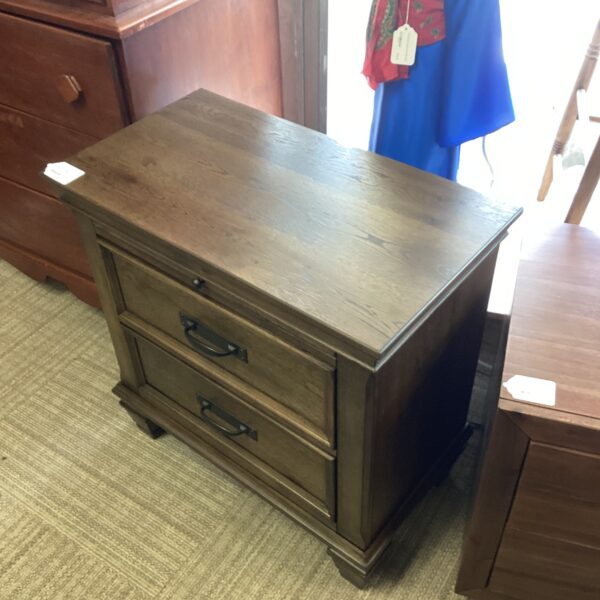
pixel 240 423
pixel 291 377
pixel 42 225
pixel 559 495
pixel 64 77
pixel 530 566
pixel 27 144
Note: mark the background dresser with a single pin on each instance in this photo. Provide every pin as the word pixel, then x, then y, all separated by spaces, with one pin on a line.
pixel 73 72
pixel 308 316
pixel 535 529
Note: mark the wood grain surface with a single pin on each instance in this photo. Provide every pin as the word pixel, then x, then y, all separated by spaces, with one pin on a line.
pixel 362 244
pixel 246 66
pixel 555 327
pixel 42 225
pixel 555 496
pixel 534 567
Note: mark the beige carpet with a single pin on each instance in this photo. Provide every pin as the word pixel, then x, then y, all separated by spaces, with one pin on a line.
pixel 90 508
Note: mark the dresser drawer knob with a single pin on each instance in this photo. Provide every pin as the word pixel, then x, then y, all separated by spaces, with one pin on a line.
pixel 208 342
pixel 238 428
pixel 69 88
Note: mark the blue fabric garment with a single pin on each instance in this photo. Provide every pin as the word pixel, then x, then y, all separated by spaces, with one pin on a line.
pixel 457 91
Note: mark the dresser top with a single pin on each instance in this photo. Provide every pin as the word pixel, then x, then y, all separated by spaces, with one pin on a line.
pixel 360 245
pixel 555 325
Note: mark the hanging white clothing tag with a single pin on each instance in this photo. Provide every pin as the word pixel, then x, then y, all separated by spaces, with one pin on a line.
pixel 404 45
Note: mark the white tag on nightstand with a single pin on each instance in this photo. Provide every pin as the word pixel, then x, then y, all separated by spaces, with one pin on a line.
pixel 404 46
pixel 63 172
pixel 532 389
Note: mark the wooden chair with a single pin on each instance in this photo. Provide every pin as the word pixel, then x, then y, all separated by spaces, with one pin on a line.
pixel 575 109
pixel 588 184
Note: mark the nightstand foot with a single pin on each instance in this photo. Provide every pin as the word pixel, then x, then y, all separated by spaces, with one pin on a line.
pixel 146 425
pixel 354 573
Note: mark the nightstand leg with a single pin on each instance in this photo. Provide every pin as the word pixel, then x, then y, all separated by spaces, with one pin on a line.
pixel 353 573
pixel 146 425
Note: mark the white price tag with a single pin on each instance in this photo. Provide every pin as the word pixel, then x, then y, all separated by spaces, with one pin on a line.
pixel 63 172
pixel 404 45
pixel 531 389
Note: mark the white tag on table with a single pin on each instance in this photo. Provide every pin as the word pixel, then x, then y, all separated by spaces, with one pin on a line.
pixel 532 389
pixel 63 172
pixel 404 45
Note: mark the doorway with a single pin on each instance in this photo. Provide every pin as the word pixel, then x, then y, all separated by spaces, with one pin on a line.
pixel 542 73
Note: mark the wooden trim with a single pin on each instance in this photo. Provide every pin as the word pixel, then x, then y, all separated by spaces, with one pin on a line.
pixel 499 480
pixel 108 289
pixel 94 21
pixel 559 428
pixel 303 32
pixel 354 407
pixel 40 269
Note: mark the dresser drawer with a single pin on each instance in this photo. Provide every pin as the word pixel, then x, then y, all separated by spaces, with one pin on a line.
pixel 559 495
pixel 42 67
pixel 532 567
pixel 27 144
pixel 239 423
pixel 42 225
pixel 293 378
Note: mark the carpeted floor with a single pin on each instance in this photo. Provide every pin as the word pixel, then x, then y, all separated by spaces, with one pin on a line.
pixel 90 508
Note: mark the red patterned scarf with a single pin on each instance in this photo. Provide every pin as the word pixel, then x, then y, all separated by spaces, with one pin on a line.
pixel 426 17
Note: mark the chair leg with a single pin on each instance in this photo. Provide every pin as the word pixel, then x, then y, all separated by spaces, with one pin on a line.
pixel 570 115
pixel 587 185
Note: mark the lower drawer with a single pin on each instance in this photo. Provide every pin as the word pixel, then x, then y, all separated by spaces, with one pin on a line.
pixel 42 225
pixel 559 495
pixel 28 143
pixel 530 567
pixel 240 424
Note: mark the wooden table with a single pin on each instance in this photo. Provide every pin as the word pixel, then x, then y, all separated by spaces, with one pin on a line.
pixel 306 315
pixel 535 529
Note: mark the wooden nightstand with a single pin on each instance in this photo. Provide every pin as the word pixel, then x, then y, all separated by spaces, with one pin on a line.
pixel 535 529
pixel 307 316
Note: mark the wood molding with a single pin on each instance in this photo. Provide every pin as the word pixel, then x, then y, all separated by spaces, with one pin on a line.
pixel 303 44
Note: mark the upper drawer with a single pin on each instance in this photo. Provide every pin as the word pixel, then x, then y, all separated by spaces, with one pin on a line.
pixel 293 378
pixel 43 67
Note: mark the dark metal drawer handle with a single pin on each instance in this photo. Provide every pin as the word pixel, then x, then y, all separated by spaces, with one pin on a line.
pixel 209 343
pixel 238 427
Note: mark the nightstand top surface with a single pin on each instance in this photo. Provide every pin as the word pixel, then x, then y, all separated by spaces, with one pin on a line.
pixel 554 332
pixel 358 243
